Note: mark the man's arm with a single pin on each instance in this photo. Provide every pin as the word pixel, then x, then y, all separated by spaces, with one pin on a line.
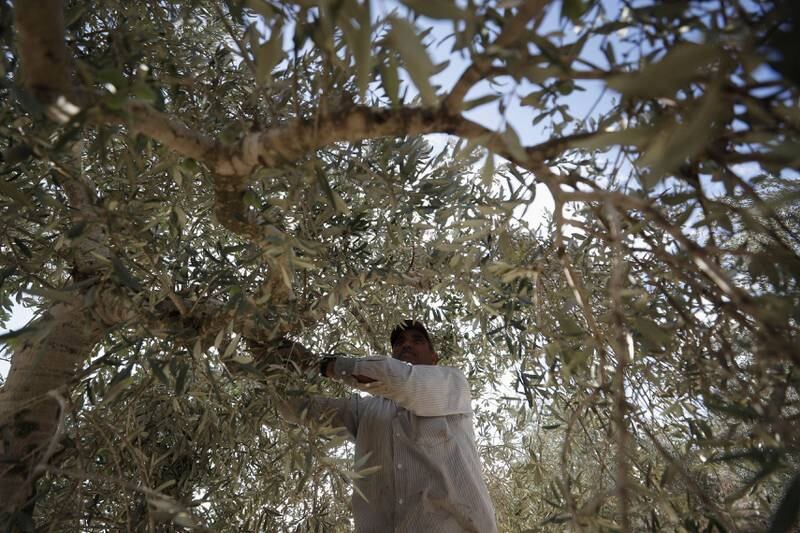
pixel 315 410
pixel 321 411
pixel 425 390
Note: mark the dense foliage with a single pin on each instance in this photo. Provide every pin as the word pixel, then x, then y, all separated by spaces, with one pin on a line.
pixel 632 354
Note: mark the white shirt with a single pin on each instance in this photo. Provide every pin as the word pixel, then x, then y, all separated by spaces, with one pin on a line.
pixel 417 428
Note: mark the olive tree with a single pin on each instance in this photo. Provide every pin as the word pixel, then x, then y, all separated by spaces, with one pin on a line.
pixel 199 199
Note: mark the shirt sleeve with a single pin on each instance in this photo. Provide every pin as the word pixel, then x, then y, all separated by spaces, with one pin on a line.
pixel 425 390
pixel 339 413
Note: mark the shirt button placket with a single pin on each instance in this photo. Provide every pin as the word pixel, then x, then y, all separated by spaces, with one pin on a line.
pixel 398 484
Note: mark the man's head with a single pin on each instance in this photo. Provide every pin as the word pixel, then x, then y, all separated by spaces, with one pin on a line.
pixel 412 344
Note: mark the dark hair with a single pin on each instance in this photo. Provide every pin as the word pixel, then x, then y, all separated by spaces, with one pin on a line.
pixel 408 325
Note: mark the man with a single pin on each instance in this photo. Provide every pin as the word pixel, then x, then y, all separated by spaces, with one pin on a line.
pixel 416 428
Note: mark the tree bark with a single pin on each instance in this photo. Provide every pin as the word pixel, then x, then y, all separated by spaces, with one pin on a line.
pixel 44 361
pixel 46 65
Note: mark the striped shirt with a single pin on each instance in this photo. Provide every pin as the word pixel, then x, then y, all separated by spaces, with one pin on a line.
pixel 417 431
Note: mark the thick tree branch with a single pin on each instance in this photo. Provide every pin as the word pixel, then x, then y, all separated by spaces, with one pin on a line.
pixel 292 141
pixel 43 51
pixel 28 414
pixel 299 137
pixel 172 133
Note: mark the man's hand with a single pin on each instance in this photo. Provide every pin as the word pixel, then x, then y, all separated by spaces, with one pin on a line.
pixel 327 367
pixel 288 350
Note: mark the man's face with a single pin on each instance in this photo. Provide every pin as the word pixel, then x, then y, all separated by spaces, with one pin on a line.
pixel 412 347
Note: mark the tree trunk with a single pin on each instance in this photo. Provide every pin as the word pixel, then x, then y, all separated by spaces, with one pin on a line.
pixel 44 361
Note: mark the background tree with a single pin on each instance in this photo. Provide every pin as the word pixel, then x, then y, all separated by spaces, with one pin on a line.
pixel 188 189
